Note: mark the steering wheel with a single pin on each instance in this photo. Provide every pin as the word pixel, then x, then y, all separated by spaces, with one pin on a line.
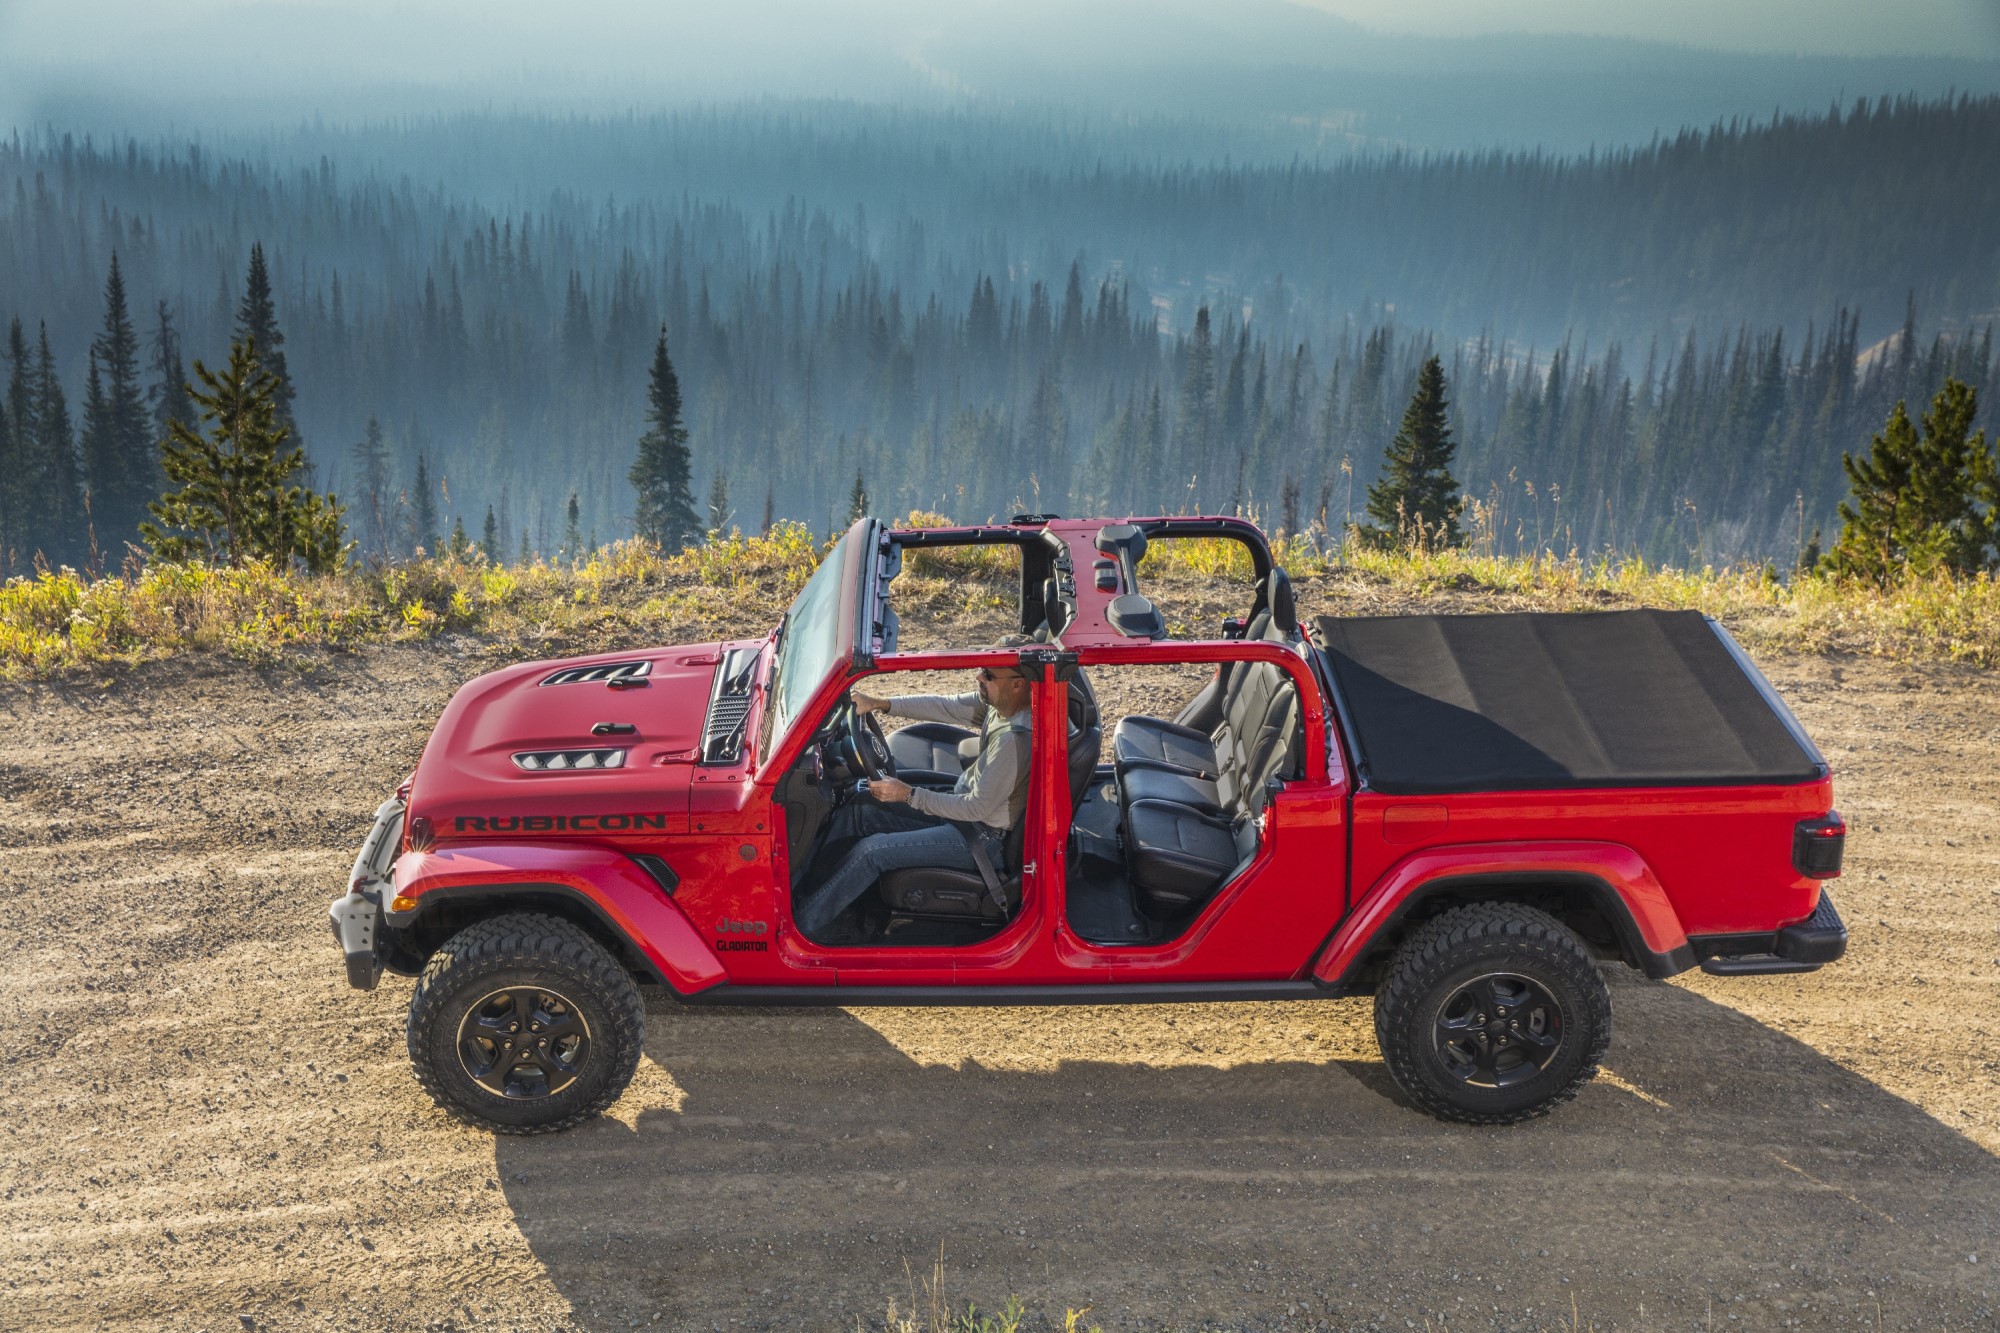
pixel 855 743
pixel 871 747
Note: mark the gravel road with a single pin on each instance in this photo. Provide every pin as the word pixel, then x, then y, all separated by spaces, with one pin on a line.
pixel 204 1128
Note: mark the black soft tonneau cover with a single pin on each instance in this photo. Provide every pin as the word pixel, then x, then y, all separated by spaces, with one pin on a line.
pixel 1437 704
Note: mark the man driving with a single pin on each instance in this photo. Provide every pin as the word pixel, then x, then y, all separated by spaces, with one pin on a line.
pixel 904 826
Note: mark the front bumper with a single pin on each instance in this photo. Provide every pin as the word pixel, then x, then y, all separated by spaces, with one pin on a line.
pixel 1803 946
pixel 357 915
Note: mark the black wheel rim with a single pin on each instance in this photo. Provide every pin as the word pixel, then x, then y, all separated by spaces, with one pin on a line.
pixel 1498 1030
pixel 523 1042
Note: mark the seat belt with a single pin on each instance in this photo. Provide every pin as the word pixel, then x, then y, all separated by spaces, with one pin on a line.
pixel 976 844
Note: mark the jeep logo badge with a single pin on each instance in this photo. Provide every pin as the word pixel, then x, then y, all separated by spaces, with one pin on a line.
pixel 729 926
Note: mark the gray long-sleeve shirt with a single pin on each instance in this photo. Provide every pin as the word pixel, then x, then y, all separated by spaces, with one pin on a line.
pixel 993 790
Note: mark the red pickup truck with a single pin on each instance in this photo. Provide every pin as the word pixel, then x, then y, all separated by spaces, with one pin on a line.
pixel 1465 816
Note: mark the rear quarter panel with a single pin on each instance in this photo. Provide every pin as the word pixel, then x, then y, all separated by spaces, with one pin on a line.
pixel 1722 854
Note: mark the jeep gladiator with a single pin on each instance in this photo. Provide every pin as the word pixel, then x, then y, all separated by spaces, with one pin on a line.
pixel 1463 816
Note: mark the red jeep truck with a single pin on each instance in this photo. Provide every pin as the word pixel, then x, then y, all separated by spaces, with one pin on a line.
pixel 1465 816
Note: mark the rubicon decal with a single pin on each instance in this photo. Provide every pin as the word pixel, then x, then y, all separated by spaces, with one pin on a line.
pixel 557 823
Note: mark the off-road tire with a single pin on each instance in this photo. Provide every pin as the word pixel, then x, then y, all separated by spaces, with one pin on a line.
pixel 1453 951
pixel 525 950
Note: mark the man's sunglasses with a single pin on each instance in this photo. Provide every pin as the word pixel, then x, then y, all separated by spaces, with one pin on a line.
pixel 989 675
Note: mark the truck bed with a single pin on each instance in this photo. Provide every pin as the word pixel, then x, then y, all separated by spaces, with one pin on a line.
pixel 1440 704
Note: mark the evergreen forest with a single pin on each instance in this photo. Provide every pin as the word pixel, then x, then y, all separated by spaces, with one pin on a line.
pixel 1661 350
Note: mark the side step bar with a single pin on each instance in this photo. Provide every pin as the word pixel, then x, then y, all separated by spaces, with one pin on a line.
pixel 1803 946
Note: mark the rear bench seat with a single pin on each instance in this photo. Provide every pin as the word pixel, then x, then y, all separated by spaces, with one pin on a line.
pixel 1177 856
pixel 1156 742
pixel 1188 826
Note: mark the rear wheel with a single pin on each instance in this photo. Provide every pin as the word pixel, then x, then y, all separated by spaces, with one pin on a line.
pixel 1492 1014
pixel 524 1024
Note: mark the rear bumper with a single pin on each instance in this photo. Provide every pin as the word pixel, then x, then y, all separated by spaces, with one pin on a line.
pixel 1803 946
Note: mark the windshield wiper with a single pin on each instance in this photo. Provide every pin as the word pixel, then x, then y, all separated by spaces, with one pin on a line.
pixel 777 666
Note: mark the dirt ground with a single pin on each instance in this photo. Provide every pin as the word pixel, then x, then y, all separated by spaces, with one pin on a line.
pixel 205 1128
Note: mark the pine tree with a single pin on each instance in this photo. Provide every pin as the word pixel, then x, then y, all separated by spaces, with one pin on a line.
pixel 423 510
pixel 16 429
pixel 662 474
pixel 1194 424
pixel 770 509
pixel 257 324
pixel 1809 554
pixel 1044 447
pixel 51 478
pixel 857 499
pixel 1915 501
pixel 371 492
pixel 460 543
pixel 489 537
pixel 1416 499
pixel 572 531
pixel 237 501
pixel 169 394
pixel 1147 473
pixel 94 443
pixel 120 452
pixel 718 502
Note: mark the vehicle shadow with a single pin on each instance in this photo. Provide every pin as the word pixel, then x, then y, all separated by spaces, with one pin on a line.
pixel 1245 1165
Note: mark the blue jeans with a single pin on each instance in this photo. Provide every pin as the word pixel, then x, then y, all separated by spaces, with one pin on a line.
pixel 892 837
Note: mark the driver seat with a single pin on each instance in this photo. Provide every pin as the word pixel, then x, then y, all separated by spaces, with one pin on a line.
pixel 953 894
pixel 937 752
pixel 960 895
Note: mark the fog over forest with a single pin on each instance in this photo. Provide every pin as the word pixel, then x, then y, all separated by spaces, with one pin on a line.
pixel 1669 287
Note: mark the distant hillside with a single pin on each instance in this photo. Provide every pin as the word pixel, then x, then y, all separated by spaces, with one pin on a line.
pixel 974 314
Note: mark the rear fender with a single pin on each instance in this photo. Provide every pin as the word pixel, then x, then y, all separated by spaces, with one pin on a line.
pixel 1616 880
pixel 623 897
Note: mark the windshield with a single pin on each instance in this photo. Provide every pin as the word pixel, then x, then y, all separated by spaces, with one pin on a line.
pixel 807 641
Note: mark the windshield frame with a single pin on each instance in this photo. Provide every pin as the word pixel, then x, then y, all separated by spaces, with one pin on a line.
pixel 810 650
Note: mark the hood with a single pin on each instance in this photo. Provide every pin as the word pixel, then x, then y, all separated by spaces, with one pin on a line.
pixel 469 785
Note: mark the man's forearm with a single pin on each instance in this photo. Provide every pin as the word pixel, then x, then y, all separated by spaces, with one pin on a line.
pixel 960 710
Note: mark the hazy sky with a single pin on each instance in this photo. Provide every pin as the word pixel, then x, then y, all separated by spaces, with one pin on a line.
pixel 1819 27
pixel 287 58
pixel 85 30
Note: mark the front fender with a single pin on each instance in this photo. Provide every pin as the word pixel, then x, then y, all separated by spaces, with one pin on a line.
pixel 1620 882
pixel 610 884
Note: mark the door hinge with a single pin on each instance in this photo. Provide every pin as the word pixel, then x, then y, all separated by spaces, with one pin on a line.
pixel 1029 868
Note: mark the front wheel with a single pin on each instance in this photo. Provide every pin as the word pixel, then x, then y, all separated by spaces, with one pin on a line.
pixel 523 1024
pixel 1491 1014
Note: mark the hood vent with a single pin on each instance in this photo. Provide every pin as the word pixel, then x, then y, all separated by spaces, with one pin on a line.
pixel 562 761
pixel 606 673
pixel 728 707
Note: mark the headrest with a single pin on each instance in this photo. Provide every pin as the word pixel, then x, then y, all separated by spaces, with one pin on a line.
pixel 1278 598
pixel 1054 613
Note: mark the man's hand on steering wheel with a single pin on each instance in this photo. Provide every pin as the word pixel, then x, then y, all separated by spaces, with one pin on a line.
pixel 871 747
pixel 869 703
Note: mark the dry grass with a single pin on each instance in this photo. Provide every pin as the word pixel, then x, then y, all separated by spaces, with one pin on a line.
pixel 1922 618
pixel 932 1310
pixel 633 593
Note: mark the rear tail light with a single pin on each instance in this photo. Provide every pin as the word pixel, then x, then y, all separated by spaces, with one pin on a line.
pixel 1817 845
pixel 423 834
